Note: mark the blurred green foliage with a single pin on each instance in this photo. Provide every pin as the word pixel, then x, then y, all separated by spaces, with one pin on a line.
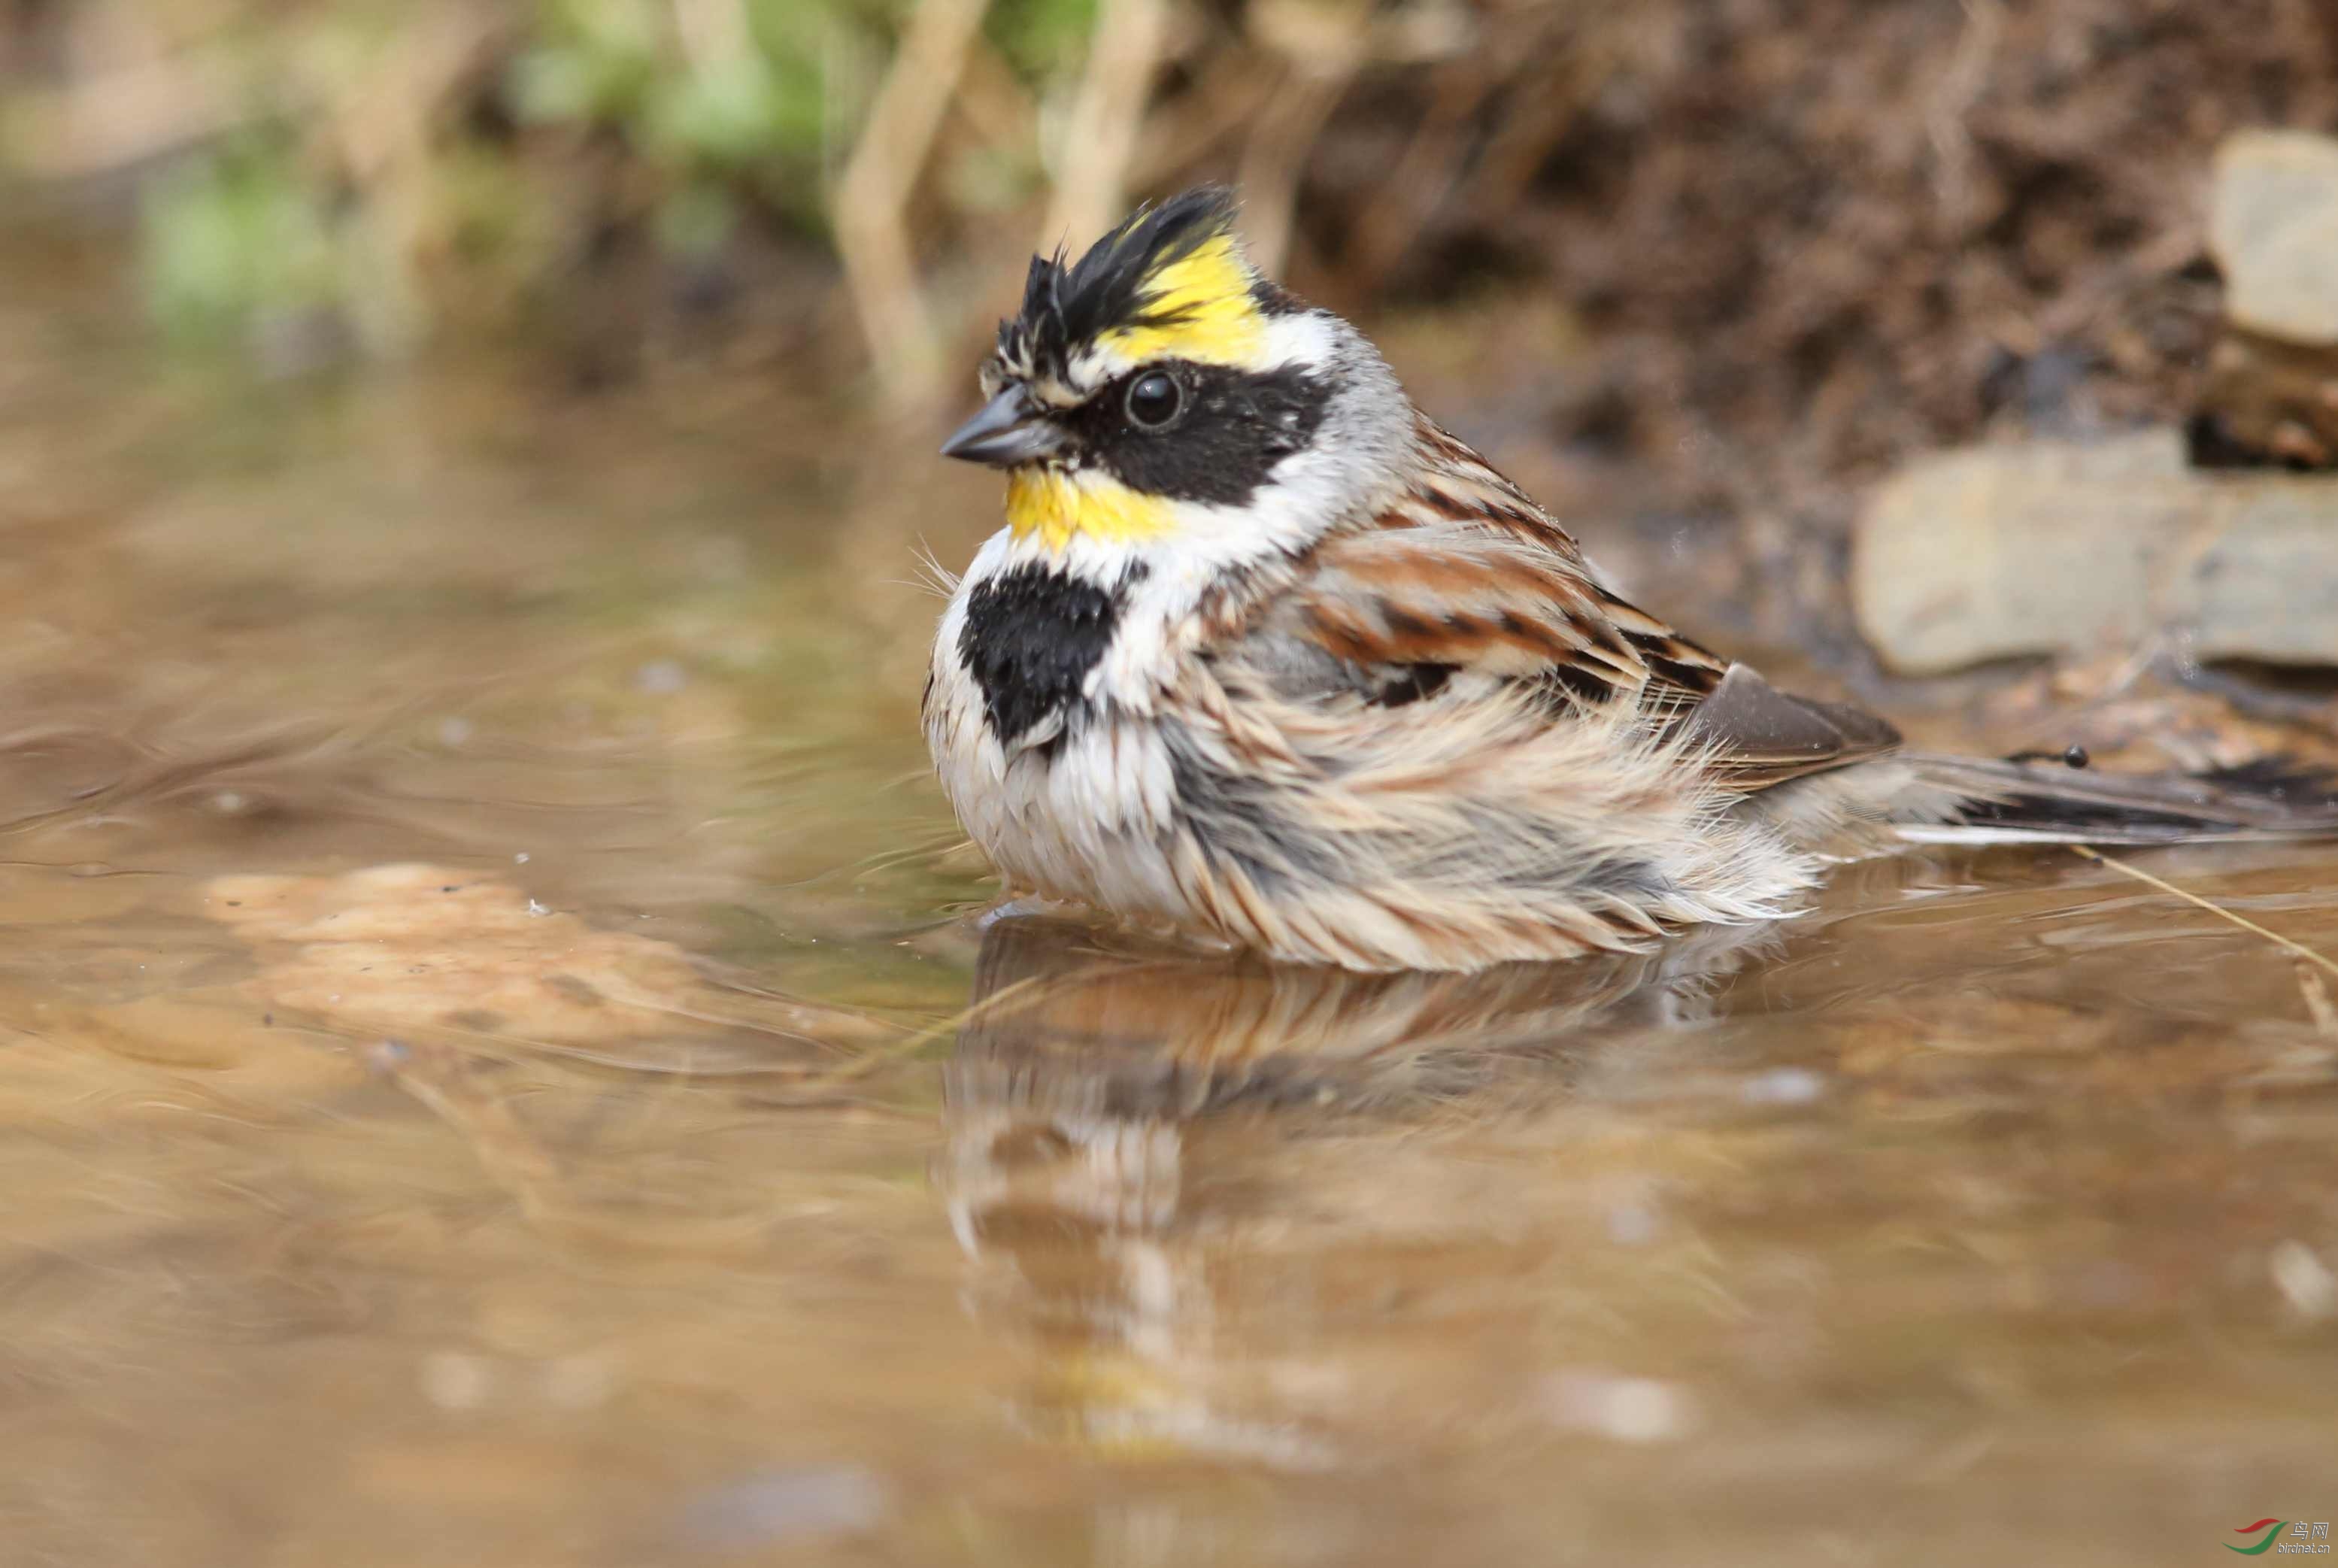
pixel 756 110
pixel 235 233
pixel 679 116
pixel 1042 39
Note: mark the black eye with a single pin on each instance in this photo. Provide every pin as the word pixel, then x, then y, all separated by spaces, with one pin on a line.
pixel 1153 400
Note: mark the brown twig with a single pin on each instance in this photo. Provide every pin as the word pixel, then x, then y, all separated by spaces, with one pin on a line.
pixel 712 31
pixel 1272 159
pixel 872 197
pixel 994 105
pixel 1423 177
pixel 1100 138
pixel 2299 949
pixel 130 114
pixel 2318 1005
pixel 1232 90
pixel 1541 106
pixel 1952 102
pixel 378 135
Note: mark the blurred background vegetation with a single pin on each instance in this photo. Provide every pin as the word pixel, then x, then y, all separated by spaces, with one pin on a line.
pixel 1715 256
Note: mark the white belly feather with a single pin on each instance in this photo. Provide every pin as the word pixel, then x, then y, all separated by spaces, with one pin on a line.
pixel 1082 807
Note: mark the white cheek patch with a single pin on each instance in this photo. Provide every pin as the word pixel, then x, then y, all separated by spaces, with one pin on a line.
pixel 1303 337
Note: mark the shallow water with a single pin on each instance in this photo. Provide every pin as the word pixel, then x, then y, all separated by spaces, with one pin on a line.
pixel 494 1072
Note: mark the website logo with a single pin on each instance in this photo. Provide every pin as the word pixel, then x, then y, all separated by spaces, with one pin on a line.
pixel 2311 1539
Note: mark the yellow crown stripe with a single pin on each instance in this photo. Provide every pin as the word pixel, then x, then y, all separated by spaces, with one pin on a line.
pixel 1057 505
pixel 1216 321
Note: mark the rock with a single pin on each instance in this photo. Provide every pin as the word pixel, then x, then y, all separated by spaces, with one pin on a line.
pixel 789 1506
pixel 2265 404
pixel 2054 547
pixel 419 952
pixel 2271 395
pixel 2273 227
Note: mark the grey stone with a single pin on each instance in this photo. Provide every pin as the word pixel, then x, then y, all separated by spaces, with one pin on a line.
pixel 786 1507
pixel 2054 547
pixel 2273 227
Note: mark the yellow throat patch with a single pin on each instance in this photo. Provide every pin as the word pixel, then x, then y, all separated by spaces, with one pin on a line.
pixel 1214 317
pixel 1057 505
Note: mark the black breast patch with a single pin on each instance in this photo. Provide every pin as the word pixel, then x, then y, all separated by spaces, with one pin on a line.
pixel 1030 638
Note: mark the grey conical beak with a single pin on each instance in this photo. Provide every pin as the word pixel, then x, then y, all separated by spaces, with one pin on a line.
pixel 1010 429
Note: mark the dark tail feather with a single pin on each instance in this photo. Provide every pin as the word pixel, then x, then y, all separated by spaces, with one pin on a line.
pixel 2018 801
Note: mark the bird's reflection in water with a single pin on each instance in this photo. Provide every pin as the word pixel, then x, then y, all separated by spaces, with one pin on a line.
pixel 1161 1167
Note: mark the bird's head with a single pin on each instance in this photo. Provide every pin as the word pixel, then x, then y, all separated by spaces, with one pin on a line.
pixel 1159 389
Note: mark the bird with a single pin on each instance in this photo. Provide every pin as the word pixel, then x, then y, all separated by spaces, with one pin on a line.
pixel 1265 658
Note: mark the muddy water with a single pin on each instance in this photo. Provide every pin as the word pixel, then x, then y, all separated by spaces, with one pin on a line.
pixel 492 1071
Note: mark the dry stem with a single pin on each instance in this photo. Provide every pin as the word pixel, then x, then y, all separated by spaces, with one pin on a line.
pixel 872 197
pixel 1100 140
pixel 2299 949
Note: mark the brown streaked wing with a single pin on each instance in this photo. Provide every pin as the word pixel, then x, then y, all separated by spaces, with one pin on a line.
pixel 1450 599
pixel 1465 573
pixel 1457 486
pixel 1762 735
pixel 1461 597
pixel 1681 674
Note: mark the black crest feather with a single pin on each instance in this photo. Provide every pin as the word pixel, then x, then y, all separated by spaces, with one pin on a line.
pixel 1065 307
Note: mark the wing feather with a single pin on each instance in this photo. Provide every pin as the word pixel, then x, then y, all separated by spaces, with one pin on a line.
pixel 1465 575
